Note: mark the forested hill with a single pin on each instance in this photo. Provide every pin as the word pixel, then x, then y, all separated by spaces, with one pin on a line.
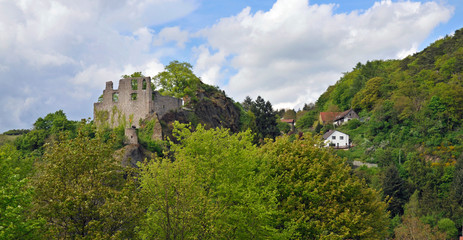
pixel 411 113
pixel 417 100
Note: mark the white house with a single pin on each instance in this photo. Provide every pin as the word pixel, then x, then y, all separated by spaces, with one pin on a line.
pixel 337 139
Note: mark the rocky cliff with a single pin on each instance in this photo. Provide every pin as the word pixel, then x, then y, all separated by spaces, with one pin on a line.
pixel 211 108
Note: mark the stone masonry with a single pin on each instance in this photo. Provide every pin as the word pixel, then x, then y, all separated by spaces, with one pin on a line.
pixel 132 102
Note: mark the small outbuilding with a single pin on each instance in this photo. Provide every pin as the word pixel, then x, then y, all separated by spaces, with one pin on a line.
pixel 344 117
pixel 290 122
pixel 336 139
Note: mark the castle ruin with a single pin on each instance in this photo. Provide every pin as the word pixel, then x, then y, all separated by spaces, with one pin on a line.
pixel 133 101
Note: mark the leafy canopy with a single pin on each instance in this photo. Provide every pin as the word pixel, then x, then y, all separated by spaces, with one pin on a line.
pixel 177 80
pixel 215 188
pixel 82 191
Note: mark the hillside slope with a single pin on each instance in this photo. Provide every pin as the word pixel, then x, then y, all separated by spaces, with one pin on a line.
pixel 415 104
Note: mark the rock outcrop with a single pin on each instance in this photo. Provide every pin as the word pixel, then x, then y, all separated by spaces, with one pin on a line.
pixel 211 108
pixel 132 154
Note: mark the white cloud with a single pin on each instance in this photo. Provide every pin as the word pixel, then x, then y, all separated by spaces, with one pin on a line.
pixel 209 65
pixel 293 52
pixel 172 34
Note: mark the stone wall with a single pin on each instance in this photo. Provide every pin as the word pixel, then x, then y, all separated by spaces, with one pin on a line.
pixel 164 104
pixel 131 135
pixel 132 102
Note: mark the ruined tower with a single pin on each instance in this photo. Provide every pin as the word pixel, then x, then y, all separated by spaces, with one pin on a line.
pixel 133 101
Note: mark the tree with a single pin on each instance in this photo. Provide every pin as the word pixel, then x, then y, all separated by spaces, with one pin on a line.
pixel 82 191
pixel 448 226
pixel 16 197
pixel 283 127
pixel 396 188
pixel 266 122
pixel 247 103
pixel 215 187
pixel 456 192
pixel 413 228
pixel 177 80
pixel 307 120
pixel 51 125
pixel 290 114
pixel 319 197
pixel 133 75
pixel 308 107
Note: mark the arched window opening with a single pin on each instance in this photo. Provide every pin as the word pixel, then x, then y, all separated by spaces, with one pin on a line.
pixel 134 84
pixel 115 97
pixel 143 84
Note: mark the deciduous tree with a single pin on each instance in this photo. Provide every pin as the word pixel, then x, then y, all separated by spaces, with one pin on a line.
pixel 216 187
pixel 82 191
pixel 177 80
pixel 319 197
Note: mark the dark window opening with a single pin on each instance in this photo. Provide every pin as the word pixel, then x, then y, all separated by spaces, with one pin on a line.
pixel 115 97
pixel 143 86
pixel 341 137
pixel 133 96
pixel 333 137
pixel 134 84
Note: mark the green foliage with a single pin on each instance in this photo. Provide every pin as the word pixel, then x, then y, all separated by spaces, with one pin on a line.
pixel 413 228
pixel 16 132
pixel 353 124
pixel 290 114
pixel 395 188
pixel 319 197
pixel 83 192
pixel 265 118
pixel 145 133
pixel 412 118
pixel 51 125
pixel 448 226
pixel 307 120
pixel 216 188
pixel 177 80
pixel 283 127
pixel 133 75
pixel 16 196
pixel 7 139
pixel 247 103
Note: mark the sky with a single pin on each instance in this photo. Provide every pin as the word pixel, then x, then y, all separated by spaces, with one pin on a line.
pixel 57 55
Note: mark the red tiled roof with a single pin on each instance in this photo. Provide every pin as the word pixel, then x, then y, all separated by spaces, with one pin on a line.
pixel 288 120
pixel 328 116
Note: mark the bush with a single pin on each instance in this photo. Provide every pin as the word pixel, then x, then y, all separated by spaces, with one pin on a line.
pixel 353 124
pixel 448 226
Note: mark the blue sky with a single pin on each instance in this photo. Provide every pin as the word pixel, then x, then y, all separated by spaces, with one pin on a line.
pixel 59 54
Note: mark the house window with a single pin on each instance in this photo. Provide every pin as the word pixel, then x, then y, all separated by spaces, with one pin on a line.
pixel 333 137
pixel 133 96
pixel 115 97
pixel 134 84
pixel 341 137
